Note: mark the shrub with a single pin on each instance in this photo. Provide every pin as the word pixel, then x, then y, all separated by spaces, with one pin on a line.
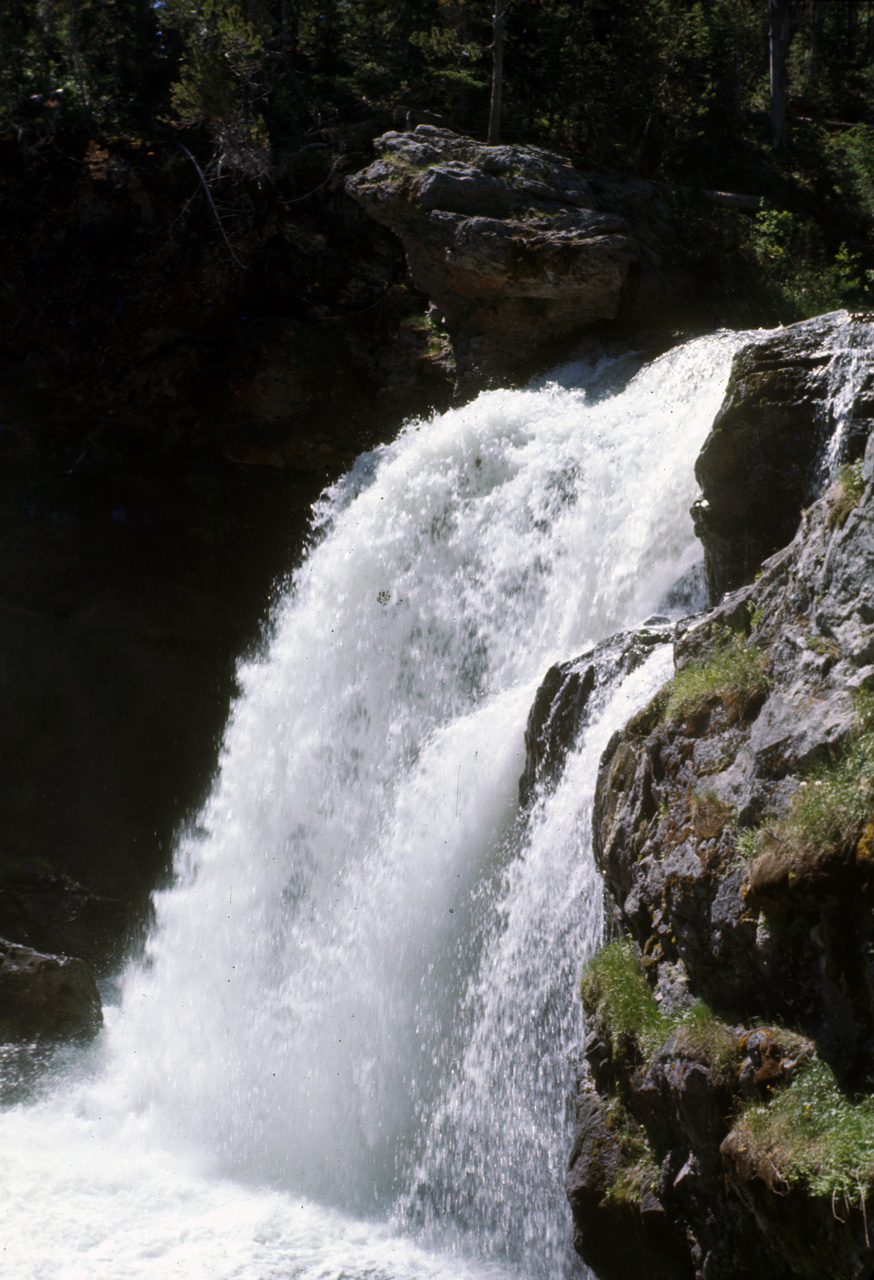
pixel 792 257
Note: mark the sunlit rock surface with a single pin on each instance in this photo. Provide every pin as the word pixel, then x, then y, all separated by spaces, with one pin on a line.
pixel 516 249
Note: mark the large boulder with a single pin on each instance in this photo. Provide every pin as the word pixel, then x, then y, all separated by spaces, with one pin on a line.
pixel 798 400
pixel 46 996
pixel 515 247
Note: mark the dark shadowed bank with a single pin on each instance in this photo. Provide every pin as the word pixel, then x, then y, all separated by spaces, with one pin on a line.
pixel 170 406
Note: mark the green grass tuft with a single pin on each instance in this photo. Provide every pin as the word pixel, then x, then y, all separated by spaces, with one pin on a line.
pixel 613 985
pixel 834 804
pixel 811 1133
pixel 701 1030
pixel 614 988
pixel 736 674
pixel 846 494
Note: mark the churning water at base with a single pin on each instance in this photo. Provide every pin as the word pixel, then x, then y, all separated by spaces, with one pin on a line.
pixel 349 1047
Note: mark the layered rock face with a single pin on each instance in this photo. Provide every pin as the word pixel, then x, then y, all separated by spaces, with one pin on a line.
pixel 725 1123
pixel 516 249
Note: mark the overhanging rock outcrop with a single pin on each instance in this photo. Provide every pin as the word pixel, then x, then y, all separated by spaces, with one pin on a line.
pixel 516 248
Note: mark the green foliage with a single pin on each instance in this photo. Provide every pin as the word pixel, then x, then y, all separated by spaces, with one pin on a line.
pixel 811 1133
pixel 86 58
pixel 736 674
pixel 614 987
pixel 855 149
pixel 675 92
pixel 772 232
pixel 221 80
pixel 756 615
pixel 437 343
pixel 747 842
pixel 846 495
pixel 791 255
pixel 700 1029
pixel 834 801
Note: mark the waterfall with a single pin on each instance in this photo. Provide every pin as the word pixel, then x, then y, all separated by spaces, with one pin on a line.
pixel 349 1045
pixel 849 350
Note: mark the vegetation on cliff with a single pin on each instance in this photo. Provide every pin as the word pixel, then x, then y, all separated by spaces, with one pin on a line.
pixel 735 673
pixel 733 824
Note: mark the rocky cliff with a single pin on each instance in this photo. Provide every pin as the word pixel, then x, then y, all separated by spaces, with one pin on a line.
pixel 725 1121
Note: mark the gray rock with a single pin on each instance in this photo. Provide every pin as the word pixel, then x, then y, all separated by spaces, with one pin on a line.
pixel 517 249
pixel 784 939
pixel 567 697
pixel 46 996
pixel 619 1236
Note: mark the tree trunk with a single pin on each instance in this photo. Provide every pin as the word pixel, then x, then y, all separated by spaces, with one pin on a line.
pixel 494 136
pixel 815 46
pixel 779 30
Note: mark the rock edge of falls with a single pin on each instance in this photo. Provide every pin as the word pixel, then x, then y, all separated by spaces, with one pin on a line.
pixel 723 1114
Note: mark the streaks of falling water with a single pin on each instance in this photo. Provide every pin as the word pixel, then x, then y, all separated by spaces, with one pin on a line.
pixel 348 1048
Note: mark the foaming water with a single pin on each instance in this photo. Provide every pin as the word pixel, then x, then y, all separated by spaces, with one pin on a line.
pixel 849 349
pixel 348 1048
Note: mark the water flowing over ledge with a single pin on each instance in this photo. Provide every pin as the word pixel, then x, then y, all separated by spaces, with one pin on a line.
pixel 349 1046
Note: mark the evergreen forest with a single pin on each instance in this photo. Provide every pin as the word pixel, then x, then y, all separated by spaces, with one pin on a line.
pixel 675 91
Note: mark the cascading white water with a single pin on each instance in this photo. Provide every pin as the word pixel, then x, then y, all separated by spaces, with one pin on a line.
pixel 849 350
pixel 349 1046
